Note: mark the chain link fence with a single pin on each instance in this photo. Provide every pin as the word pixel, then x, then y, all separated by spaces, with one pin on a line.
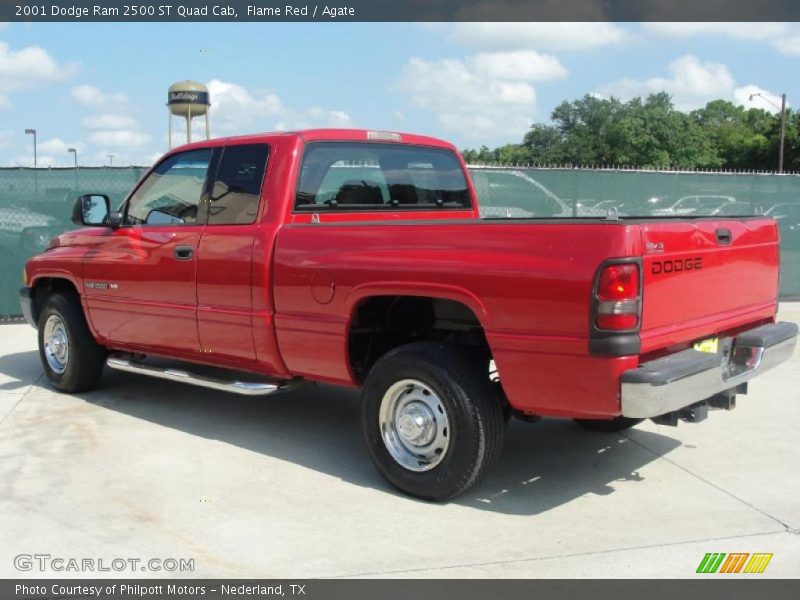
pixel 36 204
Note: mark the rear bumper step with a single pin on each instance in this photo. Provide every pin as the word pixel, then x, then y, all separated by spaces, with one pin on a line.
pixel 245 388
pixel 680 380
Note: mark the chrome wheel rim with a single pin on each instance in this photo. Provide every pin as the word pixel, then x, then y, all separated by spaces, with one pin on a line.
pixel 56 344
pixel 414 425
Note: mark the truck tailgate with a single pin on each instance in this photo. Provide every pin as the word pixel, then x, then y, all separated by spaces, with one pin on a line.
pixel 706 276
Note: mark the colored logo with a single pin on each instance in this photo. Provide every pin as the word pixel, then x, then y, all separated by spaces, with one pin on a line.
pixel 734 562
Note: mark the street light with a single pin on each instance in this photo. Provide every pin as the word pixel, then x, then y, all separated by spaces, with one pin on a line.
pixel 111 159
pixel 74 151
pixel 783 124
pixel 33 133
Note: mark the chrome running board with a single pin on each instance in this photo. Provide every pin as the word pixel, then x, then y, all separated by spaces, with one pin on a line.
pixel 245 388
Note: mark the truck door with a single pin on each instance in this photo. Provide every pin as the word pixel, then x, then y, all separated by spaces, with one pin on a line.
pixel 140 284
pixel 225 268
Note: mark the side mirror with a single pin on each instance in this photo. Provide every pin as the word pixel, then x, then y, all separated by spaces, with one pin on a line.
pixel 91 210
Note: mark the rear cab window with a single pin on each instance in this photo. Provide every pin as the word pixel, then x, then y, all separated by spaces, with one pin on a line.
pixel 373 176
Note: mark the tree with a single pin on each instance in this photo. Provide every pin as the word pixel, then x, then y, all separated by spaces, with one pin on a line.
pixel 541 143
pixel 741 137
pixel 650 132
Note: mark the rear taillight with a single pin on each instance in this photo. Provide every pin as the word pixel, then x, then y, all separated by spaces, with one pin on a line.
pixel 617 297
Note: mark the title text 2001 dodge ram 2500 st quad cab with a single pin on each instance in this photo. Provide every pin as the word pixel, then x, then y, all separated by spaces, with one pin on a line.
pixel 358 258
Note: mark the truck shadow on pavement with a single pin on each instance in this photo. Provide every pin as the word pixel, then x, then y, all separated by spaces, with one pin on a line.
pixel 20 370
pixel 543 465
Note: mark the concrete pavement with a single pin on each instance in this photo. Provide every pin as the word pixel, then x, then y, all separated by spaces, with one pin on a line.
pixel 283 487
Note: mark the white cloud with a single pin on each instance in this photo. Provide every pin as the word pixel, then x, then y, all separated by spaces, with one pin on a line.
pixel 109 129
pixel 467 96
pixel 30 64
pixel 740 31
pixel 58 147
pixel 90 96
pixel 51 153
pixel 691 83
pixel 28 68
pixel 546 36
pixel 336 118
pixel 109 121
pixel 522 65
pixel 6 138
pixel 789 46
pixel 120 138
pixel 762 98
pixel 784 37
pixel 235 109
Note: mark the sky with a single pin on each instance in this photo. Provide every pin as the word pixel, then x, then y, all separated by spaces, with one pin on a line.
pixel 101 88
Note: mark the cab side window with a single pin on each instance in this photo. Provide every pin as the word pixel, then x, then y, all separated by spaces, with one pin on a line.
pixel 237 185
pixel 171 193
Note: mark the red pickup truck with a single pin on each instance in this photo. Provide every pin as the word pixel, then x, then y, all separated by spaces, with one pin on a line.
pixel 358 258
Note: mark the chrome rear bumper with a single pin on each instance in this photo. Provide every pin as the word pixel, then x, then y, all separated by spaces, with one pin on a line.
pixel 679 380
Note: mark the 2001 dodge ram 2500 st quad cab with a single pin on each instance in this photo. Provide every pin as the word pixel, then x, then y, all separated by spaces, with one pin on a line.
pixel 358 258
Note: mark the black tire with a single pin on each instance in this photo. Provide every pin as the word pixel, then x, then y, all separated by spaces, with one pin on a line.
pixel 457 378
pixel 85 357
pixel 608 426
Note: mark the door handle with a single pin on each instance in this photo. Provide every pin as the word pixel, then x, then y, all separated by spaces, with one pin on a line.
pixel 184 252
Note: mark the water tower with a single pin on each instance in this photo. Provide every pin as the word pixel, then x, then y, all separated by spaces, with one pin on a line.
pixel 188 99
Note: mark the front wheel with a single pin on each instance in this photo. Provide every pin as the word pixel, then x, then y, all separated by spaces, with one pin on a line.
pixel 72 360
pixel 432 421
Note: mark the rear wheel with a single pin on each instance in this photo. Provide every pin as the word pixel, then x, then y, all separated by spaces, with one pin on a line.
pixel 431 418
pixel 72 360
pixel 610 425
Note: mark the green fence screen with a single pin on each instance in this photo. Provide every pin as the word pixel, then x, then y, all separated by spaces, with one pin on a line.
pixel 36 204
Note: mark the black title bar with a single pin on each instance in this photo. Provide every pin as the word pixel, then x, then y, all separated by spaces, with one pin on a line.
pixel 399 10
pixel 387 589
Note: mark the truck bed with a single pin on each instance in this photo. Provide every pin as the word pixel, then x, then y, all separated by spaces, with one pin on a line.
pixel 529 282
